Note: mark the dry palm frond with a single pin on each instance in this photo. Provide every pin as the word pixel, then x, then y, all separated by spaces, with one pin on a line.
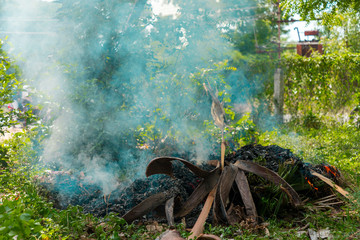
pixel 217 108
pixel 333 185
pixel 218 114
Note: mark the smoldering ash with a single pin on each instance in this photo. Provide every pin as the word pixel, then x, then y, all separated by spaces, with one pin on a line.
pixel 123 79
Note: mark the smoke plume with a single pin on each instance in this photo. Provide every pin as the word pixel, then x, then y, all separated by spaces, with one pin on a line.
pixel 125 76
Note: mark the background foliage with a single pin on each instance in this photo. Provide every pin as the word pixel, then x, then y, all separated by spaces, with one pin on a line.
pixel 9 89
pixel 315 8
pixel 322 84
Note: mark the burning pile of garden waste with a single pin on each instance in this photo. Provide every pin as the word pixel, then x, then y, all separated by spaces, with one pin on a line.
pixel 257 182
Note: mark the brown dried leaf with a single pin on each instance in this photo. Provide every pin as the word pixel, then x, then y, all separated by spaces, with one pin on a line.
pixel 154 227
pixel 169 211
pixel 272 177
pixel 146 206
pixel 244 189
pixel 217 109
pixel 218 113
pixel 235 214
pixel 163 165
pixel 222 195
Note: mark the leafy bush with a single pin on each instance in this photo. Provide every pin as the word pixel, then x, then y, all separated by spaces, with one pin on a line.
pixel 10 89
pixel 323 83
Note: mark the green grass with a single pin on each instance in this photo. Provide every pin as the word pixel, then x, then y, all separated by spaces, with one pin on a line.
pixel 335 145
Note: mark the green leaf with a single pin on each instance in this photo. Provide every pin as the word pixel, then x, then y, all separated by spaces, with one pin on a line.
pixel 25 216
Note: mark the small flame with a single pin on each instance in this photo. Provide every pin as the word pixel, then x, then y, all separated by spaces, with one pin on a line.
pixel 332 170
pixel 310 183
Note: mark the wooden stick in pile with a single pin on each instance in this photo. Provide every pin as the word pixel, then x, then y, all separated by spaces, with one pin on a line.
pixel 333 185
pixel 198 228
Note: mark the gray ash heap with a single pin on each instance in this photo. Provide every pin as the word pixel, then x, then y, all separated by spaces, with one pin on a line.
pixel 68 189
pixel 272 156
pixel 282 161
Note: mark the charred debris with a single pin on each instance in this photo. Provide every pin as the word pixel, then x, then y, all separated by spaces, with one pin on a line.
pixel 256 182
